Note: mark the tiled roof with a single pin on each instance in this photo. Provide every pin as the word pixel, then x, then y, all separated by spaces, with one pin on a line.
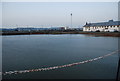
pixel 109 23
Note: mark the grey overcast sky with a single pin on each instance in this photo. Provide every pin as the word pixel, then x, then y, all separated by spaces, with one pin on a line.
pixel 47 14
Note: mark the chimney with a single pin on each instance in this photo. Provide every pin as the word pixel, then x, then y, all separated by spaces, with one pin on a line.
pixel 86 23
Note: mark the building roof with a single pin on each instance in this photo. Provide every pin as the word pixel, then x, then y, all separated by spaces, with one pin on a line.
pixel 109 23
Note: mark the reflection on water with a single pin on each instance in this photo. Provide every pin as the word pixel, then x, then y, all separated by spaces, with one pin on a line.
pixel 22 52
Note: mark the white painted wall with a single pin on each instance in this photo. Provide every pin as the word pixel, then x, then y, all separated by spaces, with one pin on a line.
pixel 109 28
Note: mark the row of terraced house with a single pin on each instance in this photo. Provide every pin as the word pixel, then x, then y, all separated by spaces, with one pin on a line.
pixel 110 26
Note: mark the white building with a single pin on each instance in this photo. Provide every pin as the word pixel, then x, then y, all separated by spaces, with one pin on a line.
pixel 110 26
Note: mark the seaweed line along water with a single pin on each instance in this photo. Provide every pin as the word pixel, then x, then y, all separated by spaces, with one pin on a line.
pixel 57 67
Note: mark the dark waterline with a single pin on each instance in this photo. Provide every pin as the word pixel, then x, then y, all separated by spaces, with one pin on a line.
pixel 22 52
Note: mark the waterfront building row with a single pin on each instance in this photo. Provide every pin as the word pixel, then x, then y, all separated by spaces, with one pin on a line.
pixel 110 26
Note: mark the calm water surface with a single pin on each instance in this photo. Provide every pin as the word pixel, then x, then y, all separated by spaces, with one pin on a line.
pixel 22 52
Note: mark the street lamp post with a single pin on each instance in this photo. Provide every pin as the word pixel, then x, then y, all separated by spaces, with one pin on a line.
pixel 71 20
